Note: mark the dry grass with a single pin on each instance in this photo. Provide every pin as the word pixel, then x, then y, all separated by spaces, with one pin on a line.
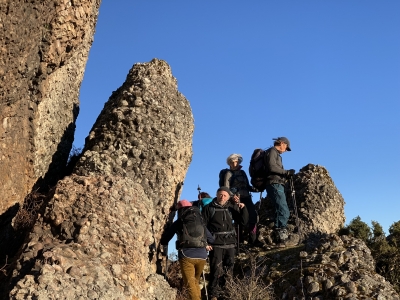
pixel 249 285
pixel 28 212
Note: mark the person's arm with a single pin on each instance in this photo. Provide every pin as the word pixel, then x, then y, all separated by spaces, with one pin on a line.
pixel 206 215
pixel 271 158
pixel 227 179
pixel 169 233
pixel 240 214
pixel 210 240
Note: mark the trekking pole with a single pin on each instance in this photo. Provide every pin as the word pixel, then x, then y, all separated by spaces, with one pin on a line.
pixel 293 193
pixel 238 231
pixel 205 285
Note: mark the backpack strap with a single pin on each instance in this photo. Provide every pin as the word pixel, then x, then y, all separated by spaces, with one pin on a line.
pixel 213 209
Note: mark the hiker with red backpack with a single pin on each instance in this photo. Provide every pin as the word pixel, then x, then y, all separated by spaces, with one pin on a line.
pixel 193 242
pixel 218 217
pixel 236 180
pixel 275 179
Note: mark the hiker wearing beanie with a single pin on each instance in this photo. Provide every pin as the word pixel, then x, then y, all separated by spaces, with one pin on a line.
pixel 276 179
pixel 194 240
pixel 218 216
pixel 237 181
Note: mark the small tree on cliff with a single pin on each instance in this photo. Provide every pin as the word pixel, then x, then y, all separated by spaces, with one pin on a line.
pixel 359 229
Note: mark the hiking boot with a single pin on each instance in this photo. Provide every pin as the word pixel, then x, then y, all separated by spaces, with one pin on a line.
pixel 281 235
pixel 268 240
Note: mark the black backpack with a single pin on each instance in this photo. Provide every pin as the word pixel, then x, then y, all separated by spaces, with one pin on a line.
pixel 257 170
pixel 193 234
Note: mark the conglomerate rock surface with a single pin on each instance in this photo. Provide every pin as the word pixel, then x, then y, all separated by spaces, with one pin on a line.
pixel 99 236
pixel 43 53
pixel 316 263
pixel 337 267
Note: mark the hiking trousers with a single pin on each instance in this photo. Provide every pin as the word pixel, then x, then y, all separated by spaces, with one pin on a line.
pixel 222 261
pixel 276 192
pixel 191 269
pixel 252 226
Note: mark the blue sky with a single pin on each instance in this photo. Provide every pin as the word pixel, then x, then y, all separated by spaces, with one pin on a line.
pixel 325 74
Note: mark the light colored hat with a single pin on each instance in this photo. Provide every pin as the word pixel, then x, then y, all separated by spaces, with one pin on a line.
pixel 234 157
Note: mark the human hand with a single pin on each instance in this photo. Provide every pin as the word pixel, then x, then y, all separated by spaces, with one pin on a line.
pixel 236 198
pixel 209 248
pixel 241 205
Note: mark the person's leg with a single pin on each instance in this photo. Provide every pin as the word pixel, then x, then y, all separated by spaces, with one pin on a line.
pixel 277 194
pixel 188 276
pixel 252 227
pixel 198 270
pixel 228 263
pixel 216 271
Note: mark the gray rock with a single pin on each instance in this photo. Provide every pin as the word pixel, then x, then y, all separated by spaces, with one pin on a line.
pixel 106 219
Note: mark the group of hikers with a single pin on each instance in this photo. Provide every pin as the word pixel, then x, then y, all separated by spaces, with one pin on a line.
pixel 207 227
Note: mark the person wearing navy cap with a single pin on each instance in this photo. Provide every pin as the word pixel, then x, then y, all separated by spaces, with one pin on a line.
pixel 276 179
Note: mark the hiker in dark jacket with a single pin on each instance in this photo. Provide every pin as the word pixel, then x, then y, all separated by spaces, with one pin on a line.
pixel 276 179
pixel 191 260
pixel 238 183
pixel 218 217
pixel 203 200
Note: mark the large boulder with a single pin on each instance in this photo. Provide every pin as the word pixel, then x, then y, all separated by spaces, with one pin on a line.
pixel 45 46
pixel 316 207
pixel 99 236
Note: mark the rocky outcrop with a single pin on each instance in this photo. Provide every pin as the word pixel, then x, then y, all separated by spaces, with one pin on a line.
pixel 316 263
pixel 319 207
pixel 338 267
pixel 45 45
pixel 99 236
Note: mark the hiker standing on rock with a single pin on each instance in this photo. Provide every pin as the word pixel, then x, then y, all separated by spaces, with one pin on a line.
pixel 276 179
pixel 192 244
pixel 218 216
pixel 236 180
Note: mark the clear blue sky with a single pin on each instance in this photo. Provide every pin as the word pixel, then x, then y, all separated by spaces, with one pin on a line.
pixel 325 74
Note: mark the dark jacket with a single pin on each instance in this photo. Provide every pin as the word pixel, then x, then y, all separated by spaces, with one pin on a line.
pixel 237 182
pixel 218 220
pixel 185 252
pixel 273 166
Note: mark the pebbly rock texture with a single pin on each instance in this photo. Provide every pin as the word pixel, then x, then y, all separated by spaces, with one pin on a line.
pixel 320 207
pixel 99 236
pixel 339 267
pixel 45 46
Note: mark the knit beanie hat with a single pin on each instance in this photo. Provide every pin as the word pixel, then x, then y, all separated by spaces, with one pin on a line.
pixel 225 189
